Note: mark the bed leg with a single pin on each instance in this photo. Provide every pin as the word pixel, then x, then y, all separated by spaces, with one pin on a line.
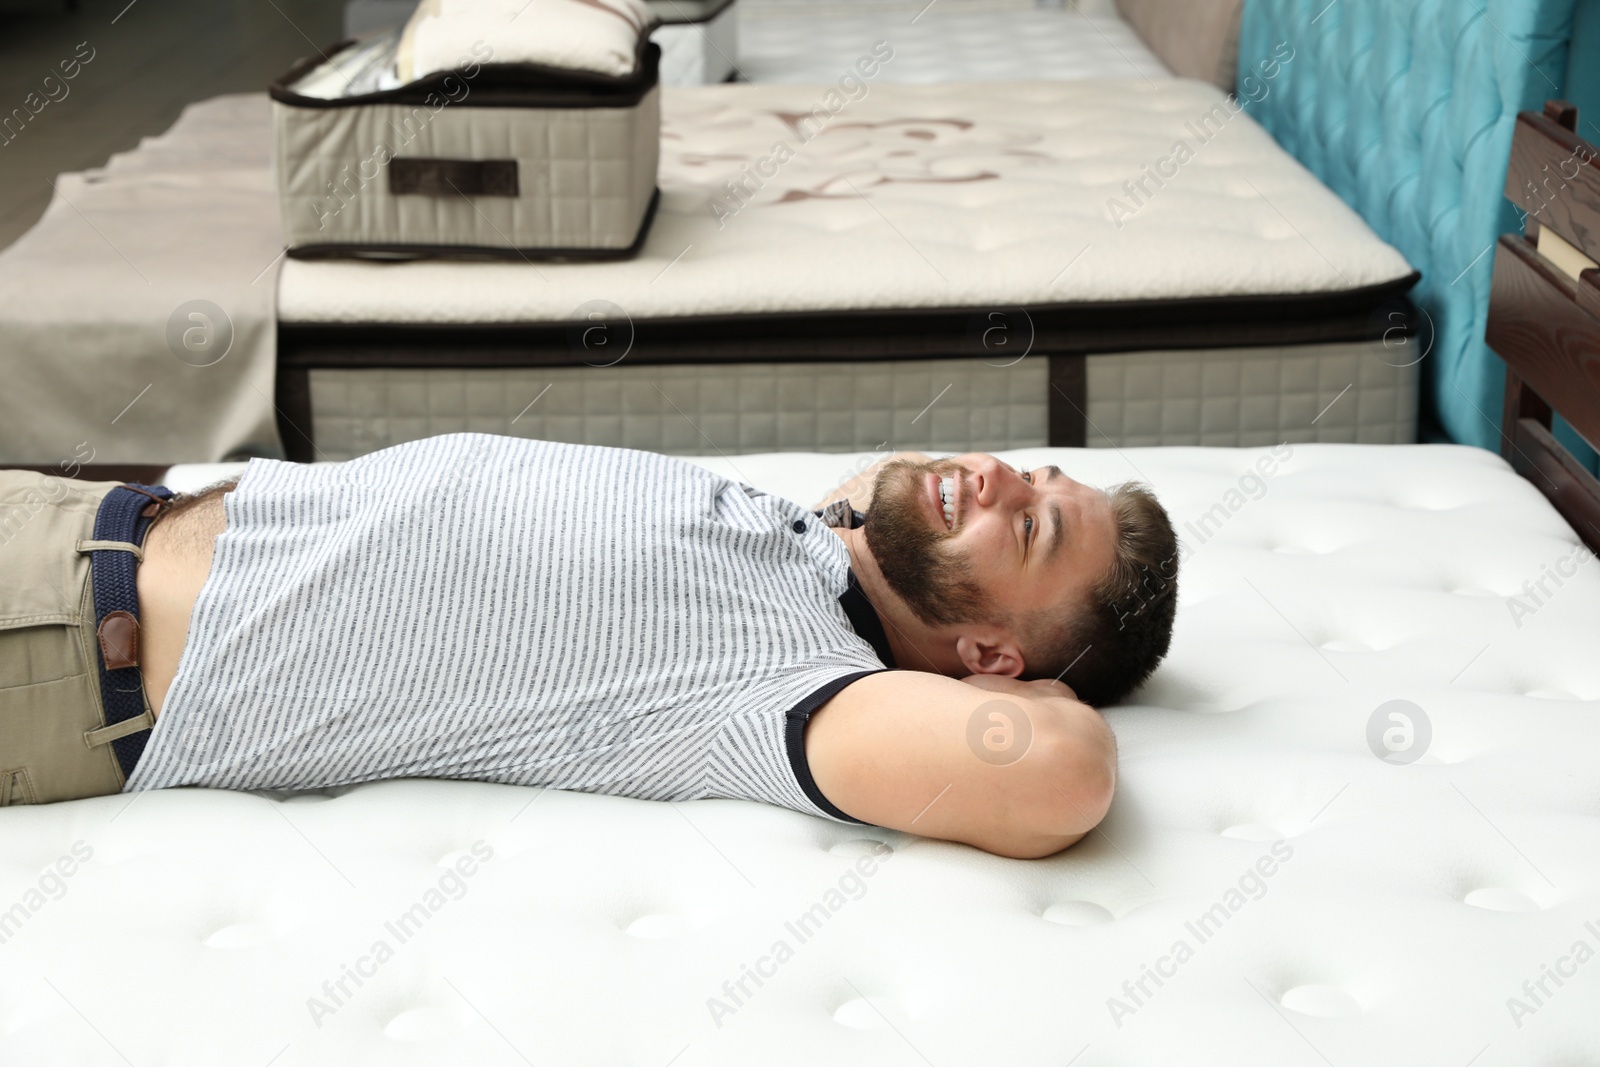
pixel 1521 403
pixel 294 412
pixel 1067 425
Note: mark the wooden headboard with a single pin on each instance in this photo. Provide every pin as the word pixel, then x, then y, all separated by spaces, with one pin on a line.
pixel 1544 310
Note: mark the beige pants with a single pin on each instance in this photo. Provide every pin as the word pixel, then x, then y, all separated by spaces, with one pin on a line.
pixel 53 745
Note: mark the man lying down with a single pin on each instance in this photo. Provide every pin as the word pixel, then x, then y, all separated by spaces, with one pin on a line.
pixel 923 654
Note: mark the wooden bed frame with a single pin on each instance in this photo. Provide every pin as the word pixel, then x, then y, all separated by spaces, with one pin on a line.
pixel 1545 322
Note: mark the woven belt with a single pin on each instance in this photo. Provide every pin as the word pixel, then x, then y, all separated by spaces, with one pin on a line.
pixel 116 551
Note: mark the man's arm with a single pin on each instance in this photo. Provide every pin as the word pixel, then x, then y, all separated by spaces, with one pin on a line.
pixel 858 487
pixel 1020 769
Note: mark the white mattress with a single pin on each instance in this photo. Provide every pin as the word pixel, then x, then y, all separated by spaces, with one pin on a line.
pixel 946 42
pixel 1416 899
pixel 964 195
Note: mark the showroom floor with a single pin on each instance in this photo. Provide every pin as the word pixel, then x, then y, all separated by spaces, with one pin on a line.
pixel 147 60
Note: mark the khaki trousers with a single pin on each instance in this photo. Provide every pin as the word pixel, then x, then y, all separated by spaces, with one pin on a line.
pixel 54 744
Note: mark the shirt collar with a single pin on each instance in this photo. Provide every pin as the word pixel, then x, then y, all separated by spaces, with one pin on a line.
pixel 863 616
pixel 840 513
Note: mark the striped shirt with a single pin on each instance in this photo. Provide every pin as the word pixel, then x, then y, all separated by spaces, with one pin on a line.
pixel 500 609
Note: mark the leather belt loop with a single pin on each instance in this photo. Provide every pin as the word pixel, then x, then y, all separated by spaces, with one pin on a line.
pixel 160 501
pixel 119 640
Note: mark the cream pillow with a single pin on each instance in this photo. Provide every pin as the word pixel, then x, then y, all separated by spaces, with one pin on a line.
pixel 598 36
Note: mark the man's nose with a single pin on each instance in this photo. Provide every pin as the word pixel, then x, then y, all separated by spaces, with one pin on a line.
pixel 993 483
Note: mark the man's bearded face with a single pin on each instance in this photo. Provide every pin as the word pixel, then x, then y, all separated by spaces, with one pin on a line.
pixel 918 555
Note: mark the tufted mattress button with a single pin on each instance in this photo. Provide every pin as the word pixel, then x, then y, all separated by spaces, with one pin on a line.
pixel 1496 898
pixel 1077 913
pixel 423 1024
pixel 1254 831
pixel 659 925
pixel 460 860
pixel 869 1013
pixel 239 935
pixel 1321 1001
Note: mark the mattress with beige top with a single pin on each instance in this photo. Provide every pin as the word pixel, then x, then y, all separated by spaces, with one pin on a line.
pixel 841 266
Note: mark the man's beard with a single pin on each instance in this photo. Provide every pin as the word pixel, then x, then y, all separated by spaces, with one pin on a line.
pixel 914 556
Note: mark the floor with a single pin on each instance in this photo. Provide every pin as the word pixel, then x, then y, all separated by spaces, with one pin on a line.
pixel 147 60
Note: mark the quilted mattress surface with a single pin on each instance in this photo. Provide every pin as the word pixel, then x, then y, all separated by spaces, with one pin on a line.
pixel 943 43
pixel 1357 822
pixel 868 195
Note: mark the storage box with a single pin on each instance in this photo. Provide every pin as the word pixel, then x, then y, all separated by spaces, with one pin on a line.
pixel 495 160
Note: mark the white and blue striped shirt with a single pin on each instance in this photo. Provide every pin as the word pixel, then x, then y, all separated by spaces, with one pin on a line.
pixel 495 608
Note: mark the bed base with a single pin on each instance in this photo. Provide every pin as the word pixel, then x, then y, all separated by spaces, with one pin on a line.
pixel 1064 335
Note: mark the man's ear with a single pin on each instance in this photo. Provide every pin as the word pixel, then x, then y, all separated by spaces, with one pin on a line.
pixel 990 652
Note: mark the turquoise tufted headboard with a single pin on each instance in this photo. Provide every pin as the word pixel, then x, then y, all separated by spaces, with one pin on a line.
pixel 1405 108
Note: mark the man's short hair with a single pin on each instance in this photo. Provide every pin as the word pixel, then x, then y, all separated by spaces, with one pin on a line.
pixel 1107 647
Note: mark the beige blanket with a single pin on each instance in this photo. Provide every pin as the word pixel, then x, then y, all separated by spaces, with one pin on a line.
pixel 138 323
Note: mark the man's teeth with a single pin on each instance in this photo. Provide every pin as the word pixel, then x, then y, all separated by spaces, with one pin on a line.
pixel 947 494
